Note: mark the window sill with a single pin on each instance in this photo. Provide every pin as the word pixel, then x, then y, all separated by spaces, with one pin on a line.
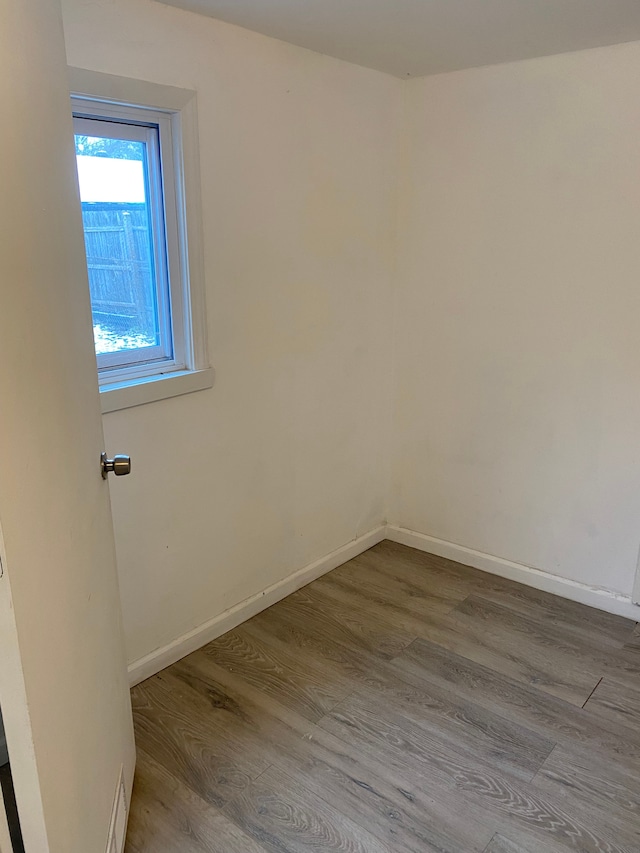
pixel 137 392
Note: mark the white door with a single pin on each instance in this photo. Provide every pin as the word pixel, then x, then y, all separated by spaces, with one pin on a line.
pixel 63 683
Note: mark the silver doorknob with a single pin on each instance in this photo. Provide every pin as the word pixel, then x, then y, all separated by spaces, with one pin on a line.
pixel 120 465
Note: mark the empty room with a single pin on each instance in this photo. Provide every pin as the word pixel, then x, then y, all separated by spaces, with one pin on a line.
pixel 320 431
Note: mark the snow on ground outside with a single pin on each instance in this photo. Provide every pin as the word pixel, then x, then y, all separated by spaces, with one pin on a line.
pixel 106 340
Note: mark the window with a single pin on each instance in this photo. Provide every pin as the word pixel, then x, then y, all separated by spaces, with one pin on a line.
pixel 129 220
pixel 140 248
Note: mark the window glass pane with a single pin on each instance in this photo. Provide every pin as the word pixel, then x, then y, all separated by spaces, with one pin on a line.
pixel 117 227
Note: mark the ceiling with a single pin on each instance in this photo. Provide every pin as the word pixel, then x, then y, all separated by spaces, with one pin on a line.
pixel 412 38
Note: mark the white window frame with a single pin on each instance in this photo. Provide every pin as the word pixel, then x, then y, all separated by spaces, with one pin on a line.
pixel 173 110
pixel 153 130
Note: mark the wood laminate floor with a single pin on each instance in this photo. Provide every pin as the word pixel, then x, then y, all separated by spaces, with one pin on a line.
pixel 402 703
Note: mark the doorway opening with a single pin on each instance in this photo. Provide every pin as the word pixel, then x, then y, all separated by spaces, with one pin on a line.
pixel 8 795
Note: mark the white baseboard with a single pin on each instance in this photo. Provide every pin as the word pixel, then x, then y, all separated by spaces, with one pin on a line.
pixel 602 599
pixel 175 650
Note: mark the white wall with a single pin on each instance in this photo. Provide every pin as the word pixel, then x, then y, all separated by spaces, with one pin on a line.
pixel 283 460
pixel 516 414
pixel 517 421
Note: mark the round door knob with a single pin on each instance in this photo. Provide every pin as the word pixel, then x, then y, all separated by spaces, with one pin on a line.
pixel 120 465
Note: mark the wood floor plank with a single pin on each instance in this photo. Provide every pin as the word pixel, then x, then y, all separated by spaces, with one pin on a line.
pixel 615 702
pixel 307 689
pixel 168 817
pixel 462 725
pixel 345 619
pixel 439 587
pixel 506 641
pixel 241 712
pixel 425 570
pixel 400 704
pixel 354 782
pixel 412 620
pixel 584 624
pixel 608 791
pixel 536 653
pixel 178 731
pixel 500 844
pixel 526 650
pixel 524 806
pixel 538 711
pixel 228 689
pixel 399 596
pixel 402 814
pixel 428 570
pixel 282 815
pixel 633 641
